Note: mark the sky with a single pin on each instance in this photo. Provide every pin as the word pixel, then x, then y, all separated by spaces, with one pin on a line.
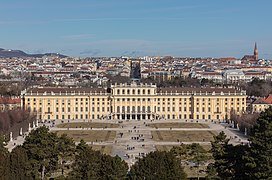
pixel 92 28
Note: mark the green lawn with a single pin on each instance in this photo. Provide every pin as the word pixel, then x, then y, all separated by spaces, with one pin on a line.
pixel 89 136
pixel 183 136
pixel 102 149
pixel 87 125
pixel 178 125
pixel 169 147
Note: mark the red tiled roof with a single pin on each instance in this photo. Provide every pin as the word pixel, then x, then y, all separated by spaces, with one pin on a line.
pixel 203 90
pixel 64 90
pixel 8 100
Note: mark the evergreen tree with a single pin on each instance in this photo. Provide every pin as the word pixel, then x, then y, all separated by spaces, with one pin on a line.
pixel 42 150
pixel 259 156
pixel 157 165
pixel 219 151
pixel 113 168
pixel 4 160
pixel 18 164
pixel 90 164
pixel 66 149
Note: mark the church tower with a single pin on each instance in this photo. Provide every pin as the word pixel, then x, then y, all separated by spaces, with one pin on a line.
pixel 256 54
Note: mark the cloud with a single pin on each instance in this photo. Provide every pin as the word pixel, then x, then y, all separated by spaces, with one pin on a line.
pixel 78 36
pixel 90 52
pixel 132 53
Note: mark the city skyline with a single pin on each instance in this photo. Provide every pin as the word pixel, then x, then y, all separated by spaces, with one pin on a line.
pixel 122 28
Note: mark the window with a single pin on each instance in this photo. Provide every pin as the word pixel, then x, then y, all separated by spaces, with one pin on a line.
pixel 123 91
pixel 133 91
pixel 69 109
pixel 76 109
pixel 63 117
pixel 118 91
pixel 143 91
pixel 48 109
pixel 57 116
pixel 86 109
pixel 148 91
pixel 57 109
pixel 63 109
pixel 128 92
pixel 139 91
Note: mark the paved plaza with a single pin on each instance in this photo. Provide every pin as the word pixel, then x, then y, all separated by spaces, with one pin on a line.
pixel 134 138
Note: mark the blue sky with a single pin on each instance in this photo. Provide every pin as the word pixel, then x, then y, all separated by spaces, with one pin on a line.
pixel 195 28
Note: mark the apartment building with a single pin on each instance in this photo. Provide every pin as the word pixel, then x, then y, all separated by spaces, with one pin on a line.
pixel 134 102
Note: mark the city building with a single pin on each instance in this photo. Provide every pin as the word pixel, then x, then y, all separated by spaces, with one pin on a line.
pixel 262 104
pixel 134 102
pixel 9 103
pixel 252 58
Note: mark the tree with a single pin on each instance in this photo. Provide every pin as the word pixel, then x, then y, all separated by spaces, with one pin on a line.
pixel 66 149
pixel 113 168
pixel 42 150
pixel 18 164
pixel 90 164
pixel 157 165
pixel 259 156
pixel 4 160
pixel 219 151
pixel 229 162
pixel 191 153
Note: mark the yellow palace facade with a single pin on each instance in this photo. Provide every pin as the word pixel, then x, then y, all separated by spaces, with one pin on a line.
pixel 133 102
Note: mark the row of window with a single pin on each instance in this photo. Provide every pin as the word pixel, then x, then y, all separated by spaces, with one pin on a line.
pixel 169 116
pixel 133 99
pixel 133 91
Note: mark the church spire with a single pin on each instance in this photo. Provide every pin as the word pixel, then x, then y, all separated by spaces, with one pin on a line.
pixel 256 54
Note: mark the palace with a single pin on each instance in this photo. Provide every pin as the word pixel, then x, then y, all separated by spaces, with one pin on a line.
pixel 134 102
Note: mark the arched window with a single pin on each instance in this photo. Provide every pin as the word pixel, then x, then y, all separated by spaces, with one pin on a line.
pixel 128 92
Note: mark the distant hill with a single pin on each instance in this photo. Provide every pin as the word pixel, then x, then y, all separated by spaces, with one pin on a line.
pixel 4 53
